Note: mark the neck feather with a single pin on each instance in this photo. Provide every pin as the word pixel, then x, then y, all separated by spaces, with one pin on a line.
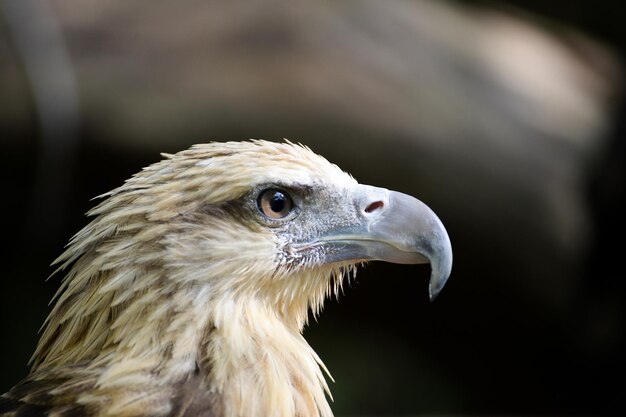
pixel 262 366
pixel 247 345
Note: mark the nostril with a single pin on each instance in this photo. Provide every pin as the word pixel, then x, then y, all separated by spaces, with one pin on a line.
pixel 374 206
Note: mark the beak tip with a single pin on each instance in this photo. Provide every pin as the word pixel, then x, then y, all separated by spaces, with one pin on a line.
pixel 441 269
pixel 433 291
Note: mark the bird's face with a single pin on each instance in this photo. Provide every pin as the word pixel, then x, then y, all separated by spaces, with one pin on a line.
pixel 269 218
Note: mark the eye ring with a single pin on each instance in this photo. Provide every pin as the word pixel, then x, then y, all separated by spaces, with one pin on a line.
pixel 274 203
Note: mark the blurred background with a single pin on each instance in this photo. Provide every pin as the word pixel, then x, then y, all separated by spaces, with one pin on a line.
pixel 507 118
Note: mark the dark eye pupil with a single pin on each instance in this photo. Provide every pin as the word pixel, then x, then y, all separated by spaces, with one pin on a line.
pixel 277 203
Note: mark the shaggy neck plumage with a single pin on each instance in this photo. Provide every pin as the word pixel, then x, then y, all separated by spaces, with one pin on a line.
pixel 132 322
pixel 262 366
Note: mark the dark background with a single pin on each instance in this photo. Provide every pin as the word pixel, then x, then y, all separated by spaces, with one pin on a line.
pixel 508 119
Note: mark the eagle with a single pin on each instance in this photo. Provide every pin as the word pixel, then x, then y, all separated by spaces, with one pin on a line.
pixel 187 293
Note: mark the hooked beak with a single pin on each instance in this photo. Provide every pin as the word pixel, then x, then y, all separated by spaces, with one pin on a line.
pixel 392 227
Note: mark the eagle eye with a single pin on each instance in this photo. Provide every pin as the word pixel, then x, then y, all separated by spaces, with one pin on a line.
pixel 275 204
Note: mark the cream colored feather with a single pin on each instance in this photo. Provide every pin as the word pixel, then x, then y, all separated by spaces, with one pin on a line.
pixel 164 284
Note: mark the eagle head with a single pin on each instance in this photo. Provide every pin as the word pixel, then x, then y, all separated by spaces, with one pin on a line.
pixel 201 269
